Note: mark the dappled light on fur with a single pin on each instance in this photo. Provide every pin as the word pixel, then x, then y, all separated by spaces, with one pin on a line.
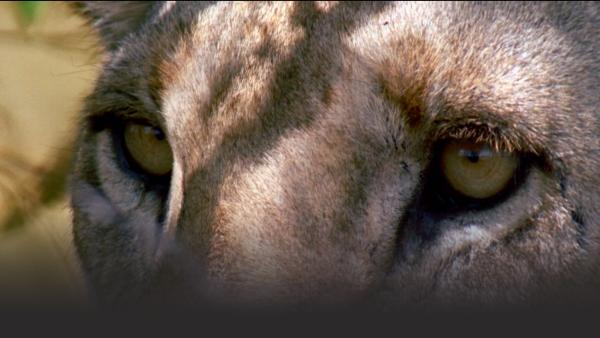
pixel 334 154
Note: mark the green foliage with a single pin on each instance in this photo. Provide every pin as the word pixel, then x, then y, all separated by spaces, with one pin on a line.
pixel 28 11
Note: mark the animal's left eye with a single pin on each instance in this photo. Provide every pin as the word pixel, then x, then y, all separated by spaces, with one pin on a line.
pixel 148 148
pixel 475 170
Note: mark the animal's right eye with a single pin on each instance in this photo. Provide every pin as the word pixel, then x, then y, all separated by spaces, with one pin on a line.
pixel 475 170
pixel 147 147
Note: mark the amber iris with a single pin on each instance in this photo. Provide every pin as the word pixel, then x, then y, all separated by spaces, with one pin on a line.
pixel 475 169
pixel 149 148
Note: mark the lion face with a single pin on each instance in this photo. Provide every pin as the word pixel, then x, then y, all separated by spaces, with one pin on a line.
pixel 412 152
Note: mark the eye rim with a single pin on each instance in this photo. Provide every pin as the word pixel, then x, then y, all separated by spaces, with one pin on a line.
pixel 443 199
pixel 129 165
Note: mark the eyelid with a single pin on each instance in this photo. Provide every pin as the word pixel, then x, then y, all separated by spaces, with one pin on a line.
pixel 114 105
pixel 497 135
pixel 117 118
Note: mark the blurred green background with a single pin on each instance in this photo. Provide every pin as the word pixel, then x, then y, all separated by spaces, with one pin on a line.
pixel 49 60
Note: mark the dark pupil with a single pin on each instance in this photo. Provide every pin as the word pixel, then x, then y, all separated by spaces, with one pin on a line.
pixel 158 134
pixel 472 156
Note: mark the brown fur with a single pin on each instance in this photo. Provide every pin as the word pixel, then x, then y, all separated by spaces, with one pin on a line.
pixel 305 135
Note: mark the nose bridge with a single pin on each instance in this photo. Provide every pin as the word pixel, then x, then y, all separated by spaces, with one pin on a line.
pixel 173 211
pixel 193 228
pixel 231 126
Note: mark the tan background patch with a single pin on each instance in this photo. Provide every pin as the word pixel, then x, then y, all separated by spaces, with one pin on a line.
pixel 46 69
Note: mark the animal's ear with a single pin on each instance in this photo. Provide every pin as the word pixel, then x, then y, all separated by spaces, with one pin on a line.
pixel 113 19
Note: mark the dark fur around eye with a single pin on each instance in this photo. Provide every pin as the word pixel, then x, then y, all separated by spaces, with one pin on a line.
pixel 115 125
pixel 437 200
pixel 440 199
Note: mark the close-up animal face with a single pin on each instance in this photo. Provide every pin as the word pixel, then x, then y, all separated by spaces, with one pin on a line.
pixel 413 153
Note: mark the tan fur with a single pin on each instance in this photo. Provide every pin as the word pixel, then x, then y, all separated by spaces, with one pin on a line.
pixel 304 138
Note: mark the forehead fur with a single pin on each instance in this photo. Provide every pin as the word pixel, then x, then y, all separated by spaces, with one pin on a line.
pixel 424 67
